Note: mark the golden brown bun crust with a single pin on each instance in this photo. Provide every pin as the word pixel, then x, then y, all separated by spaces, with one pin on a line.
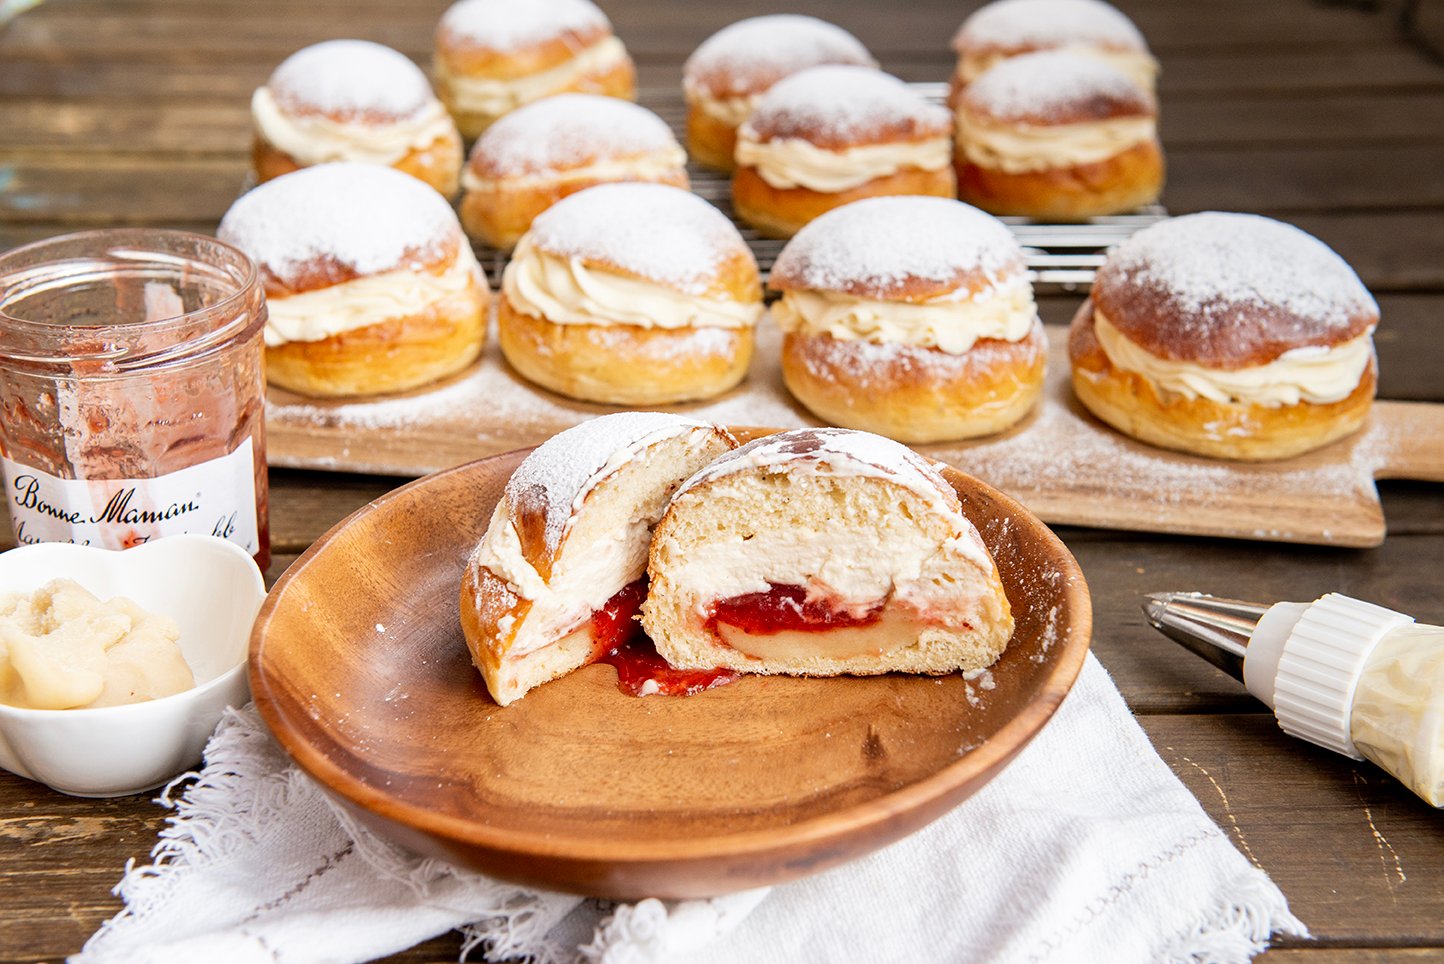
pixel 781 212
pixel 1253 433
pixel 500 213
pixel 396 355
pixel 485 602
pixel 620 364
pixel 1123 182
pixel 916 394
pixel 437 164
pixel 618 80
pixel 710 141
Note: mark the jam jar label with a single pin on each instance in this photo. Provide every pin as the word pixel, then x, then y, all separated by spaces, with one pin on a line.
pixel 210 498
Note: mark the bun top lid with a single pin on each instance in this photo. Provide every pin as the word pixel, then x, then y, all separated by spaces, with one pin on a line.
pixel 751 55
pixel 1056 87
pixel 1231 290
pixel 350 80
pixel 1012 26
pixel 505 26
pixel 837 106
pixel 568 131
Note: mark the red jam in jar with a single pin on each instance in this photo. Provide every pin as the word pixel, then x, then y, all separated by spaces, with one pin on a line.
pixel 132 390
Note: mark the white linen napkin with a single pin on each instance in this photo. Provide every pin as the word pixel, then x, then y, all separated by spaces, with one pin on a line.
pixel 1086 847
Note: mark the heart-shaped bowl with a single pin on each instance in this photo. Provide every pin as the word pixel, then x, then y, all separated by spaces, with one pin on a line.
pixel 212 589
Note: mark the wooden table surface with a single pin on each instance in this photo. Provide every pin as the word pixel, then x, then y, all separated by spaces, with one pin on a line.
pixel 136 112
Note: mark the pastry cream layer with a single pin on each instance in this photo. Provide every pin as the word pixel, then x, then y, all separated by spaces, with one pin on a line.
pixel 789 162
pixel 894 629
pixel 1317 374
pixel 496 96
pixel 362 302
pixel 316 139
pixel 647 167
pixel 565 291
pixel 1138 65
pixel 1016 148
pixel 728 110
pixel 948 324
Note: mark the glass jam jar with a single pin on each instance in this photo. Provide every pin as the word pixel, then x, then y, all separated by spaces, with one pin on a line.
pixel 132 389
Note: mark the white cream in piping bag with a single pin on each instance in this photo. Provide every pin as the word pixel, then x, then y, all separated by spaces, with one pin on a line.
pixel 951 324
pixel 565 291
pixel 1316 374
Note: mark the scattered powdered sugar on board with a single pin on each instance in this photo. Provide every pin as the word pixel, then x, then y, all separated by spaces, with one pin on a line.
pixel 655 231
pixel 753 54
pixel 351 79
pixel 879 244
pixel 505 25
pixel 566 131
pixel 1218 269
pixel 1055 83
pixel 366 217
pixel 1038 24
pixel 844 103
pixel 566 466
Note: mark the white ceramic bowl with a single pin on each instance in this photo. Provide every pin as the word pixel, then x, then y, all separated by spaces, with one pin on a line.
pixel 212 589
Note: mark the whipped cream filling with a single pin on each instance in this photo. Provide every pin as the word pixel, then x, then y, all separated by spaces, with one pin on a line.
pixel 1018 148
pixel 645 167
pixel 789 162
pixel 495 96
pixel 1138 65
pixel 732 111
pixel 565 291
pixel 950 324
pixel 316 139
pixel 362 302
pixel 1319 374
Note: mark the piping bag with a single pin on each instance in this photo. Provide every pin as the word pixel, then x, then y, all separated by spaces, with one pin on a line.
pixel 1350 676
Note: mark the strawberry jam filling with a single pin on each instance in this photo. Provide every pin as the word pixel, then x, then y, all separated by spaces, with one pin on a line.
pixel 788 609
pixel 619 641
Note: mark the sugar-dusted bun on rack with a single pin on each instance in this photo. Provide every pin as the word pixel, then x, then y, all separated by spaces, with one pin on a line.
pixel 820 552
pixel 555 581
pixel 826 136
pixel 371 286
pixel 493 56
pixel 557 146
pixel 353 100
pixel 1057 136
pixel 727 75
pixel 911 317
pixel 1227 335
pixel 1008 28
pixel 631 294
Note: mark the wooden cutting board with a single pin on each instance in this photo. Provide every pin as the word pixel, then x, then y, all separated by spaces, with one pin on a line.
pixel 1066 466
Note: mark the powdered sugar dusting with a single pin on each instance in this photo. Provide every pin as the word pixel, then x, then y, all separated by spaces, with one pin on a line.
pixel 366 217
pixel 882 243
pixel 505 25
pixel 657 232
pixel 1053 82
pixel 566 131
pixel 843 102
pixel 751 55
pixel 351 79
pixel 1214 267
pixel 1039 24
pixel 565 467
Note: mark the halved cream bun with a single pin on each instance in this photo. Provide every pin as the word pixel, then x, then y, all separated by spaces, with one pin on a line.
pixel 559 566
pixel 820 552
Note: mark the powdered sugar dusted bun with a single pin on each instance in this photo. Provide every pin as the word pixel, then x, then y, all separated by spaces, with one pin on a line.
pixel 353 100
pixel 1057 135
pixel 1231 335
pixel 492 56
pixel 726 76
pixel 827 136
pixel 370 284
pixel 631 294
pixel 821 552
pixel 555 147
pixel 570 534
pixel 911 317
pixel 1008 28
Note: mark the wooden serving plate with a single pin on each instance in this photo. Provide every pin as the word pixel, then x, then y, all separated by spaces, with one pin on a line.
pixel 1061 462
pixel 359 668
